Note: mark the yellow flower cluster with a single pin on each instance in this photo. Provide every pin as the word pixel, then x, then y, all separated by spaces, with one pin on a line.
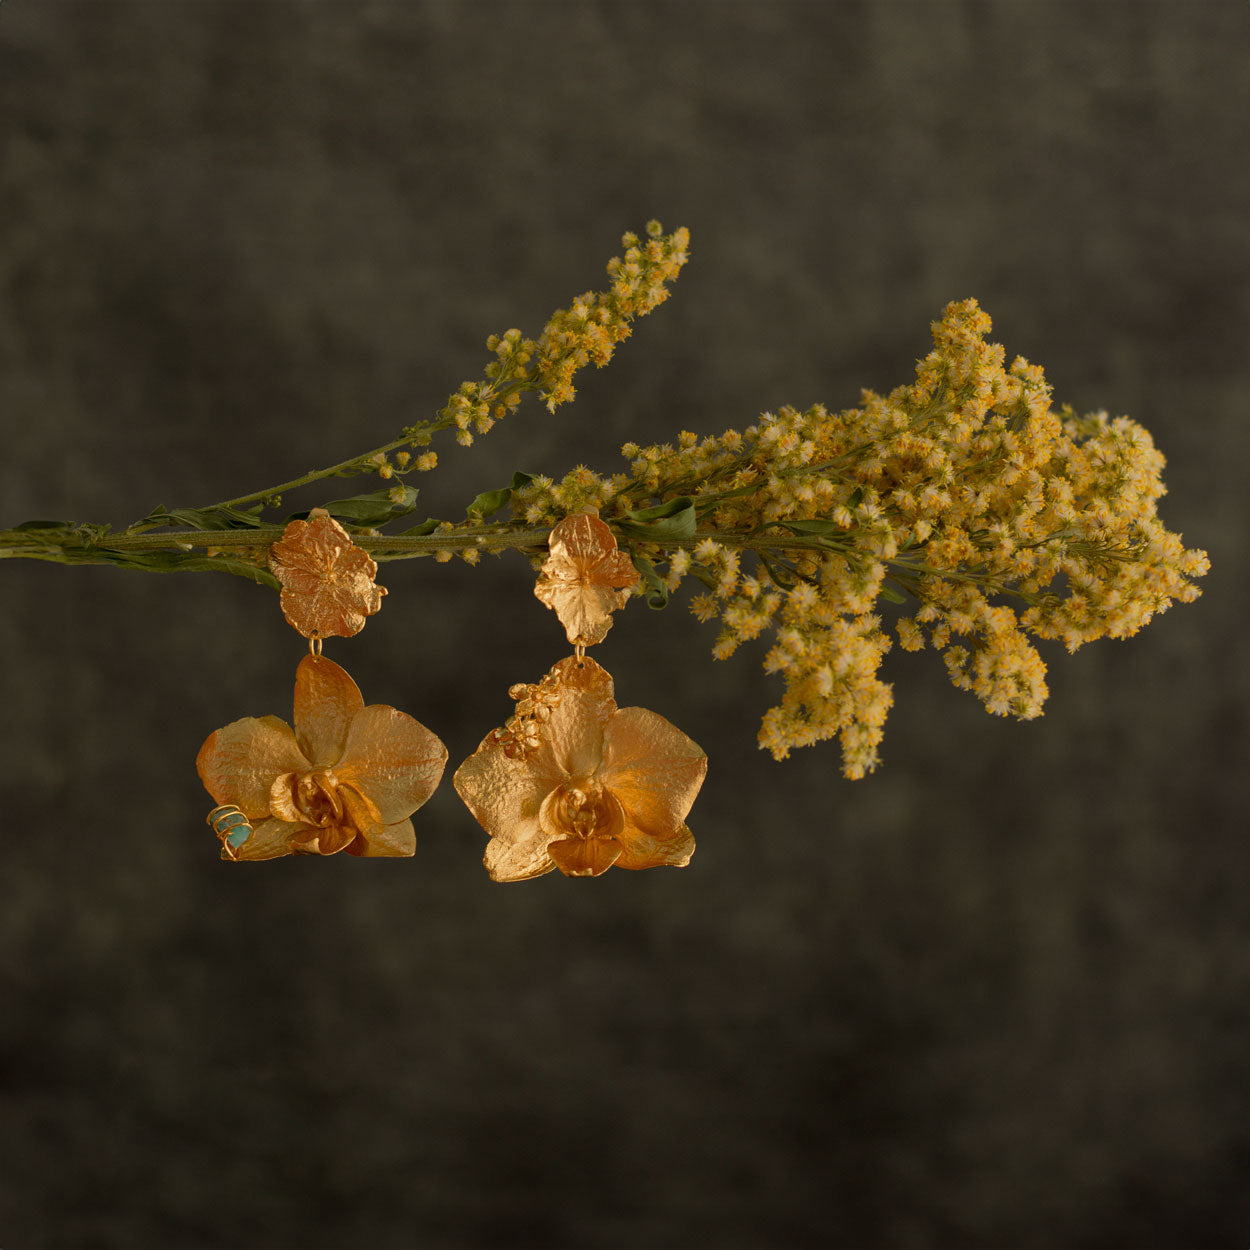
pixel 960 490
pixel 590 329
pixel 544 502
pixel 585 332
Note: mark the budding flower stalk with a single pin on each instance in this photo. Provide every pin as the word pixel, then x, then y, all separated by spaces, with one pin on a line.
pixel 962 512
pixel 966 493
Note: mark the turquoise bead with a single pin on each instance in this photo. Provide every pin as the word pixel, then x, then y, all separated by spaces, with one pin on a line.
pixel 239 836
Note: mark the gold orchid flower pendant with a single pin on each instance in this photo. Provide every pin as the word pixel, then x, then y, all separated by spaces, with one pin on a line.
pixel 571 781
pixel 345 776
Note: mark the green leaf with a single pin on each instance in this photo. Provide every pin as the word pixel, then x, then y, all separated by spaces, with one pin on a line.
pixel 890 595
pixel 371 510
pixel 674 519
pixel 176 561
pixel 201 518
pixel 490 501
pixel 857 497
pixel 62 535
pixel 240 568
pixel 656 591
pixel 419 531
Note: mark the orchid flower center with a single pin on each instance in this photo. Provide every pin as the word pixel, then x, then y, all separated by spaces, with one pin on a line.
pixel 584 808
pixel 316 798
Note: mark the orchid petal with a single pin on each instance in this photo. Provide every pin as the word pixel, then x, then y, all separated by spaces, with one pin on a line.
pixel 270 839
pixel 518 861
pixel 585 857
pixel 326 700
pixel 504 794
pixel 653 768
pixel 571 742
pixel 322 840
pixel 393 760
pixel 641 850
pixel 393 841
pixel 239 762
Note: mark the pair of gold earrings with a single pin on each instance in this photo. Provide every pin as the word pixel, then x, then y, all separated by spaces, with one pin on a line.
pixel 571 781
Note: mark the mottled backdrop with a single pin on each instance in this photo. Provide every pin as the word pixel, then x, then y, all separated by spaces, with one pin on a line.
pixel 993 996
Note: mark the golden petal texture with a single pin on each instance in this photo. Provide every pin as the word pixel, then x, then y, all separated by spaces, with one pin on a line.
pixel 270 839
pixel 653 768
pixel 588 787
pixel 389 841
pixel 323 840
pixel 585 578
pixel 238 764
pixel 393 760
pixel 361 773
pixel 641 850
pixel 571 743
pixel 505 792
pixel 327 581
pixel 518 861
pixel 326 701
pixel 585 857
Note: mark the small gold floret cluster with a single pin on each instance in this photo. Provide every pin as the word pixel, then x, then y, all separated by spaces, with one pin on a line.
pixel 521 734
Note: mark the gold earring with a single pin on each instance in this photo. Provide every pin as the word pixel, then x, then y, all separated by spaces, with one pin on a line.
pixel 572 781
pixel 346 776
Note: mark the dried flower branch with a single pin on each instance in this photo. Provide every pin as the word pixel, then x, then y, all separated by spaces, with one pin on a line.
pixel 964 494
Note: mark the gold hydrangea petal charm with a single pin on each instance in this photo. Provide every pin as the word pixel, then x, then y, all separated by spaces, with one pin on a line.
pixel 345 777
pixel 585 577
pixel 327 581
pixel 573 782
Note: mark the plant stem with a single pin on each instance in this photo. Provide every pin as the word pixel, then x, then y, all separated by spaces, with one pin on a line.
pixel 44 544
pixel 316 475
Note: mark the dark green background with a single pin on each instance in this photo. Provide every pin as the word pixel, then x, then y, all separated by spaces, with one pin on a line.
pixel 993 996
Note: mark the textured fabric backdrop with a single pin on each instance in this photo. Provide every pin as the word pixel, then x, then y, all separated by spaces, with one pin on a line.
pixel 993 996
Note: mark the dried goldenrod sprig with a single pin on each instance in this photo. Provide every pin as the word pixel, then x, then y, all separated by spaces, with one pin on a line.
pixel 966 491
pixel 584 333
pixel 961 489
pixel 237 532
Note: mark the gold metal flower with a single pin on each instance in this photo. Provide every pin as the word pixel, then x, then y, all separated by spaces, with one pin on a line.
pixel 347 777
pixel 585 578
pixel 576 783
pixel 327 581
